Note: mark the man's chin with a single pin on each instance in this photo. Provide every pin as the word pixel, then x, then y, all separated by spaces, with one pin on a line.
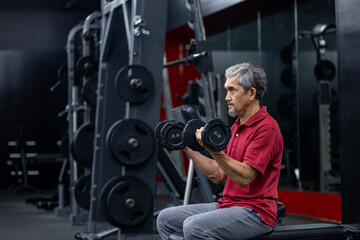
pixel 236 113
pixel 232 114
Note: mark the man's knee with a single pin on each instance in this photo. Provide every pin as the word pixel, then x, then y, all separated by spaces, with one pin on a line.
pixel 193 227
pixel 187 226
pixel 161 218
pixel 165 216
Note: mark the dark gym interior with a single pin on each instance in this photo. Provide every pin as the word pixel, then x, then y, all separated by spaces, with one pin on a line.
pixel 76 76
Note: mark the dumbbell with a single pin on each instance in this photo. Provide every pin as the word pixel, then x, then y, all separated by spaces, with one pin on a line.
pixel 158 131
pixel 168 134
pixel 176 135
pixel 216 135
pixel 189 134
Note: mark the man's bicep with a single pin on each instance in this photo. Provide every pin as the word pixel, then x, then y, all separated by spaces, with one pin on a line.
pixel 251 172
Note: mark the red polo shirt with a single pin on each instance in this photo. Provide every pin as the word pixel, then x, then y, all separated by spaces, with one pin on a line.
pixel 258 143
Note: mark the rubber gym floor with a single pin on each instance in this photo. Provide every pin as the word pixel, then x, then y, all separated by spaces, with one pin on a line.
pixel 23 221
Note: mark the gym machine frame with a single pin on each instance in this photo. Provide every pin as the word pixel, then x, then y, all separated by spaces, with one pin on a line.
pixel 317 36
pixel 131 32
pixel 200 54
pixel 76 215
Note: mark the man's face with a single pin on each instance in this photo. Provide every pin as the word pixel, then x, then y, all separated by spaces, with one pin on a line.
pixel 236 97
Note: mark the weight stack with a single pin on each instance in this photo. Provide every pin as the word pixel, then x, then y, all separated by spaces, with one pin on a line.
pixel 129 95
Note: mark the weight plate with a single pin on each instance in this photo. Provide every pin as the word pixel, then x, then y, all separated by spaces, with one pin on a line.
pixel 82 191
pixel 189 134
pixel 105 193
pixel 86 66
pixel 216 135
pixel 129 202
pixel 157 131
pixel 134 83
pixel 325 70
pixel 83 144
pixel 131 141
pixel 171 135
pixel 89 90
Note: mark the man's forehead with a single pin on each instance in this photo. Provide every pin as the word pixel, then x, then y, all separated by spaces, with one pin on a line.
pixel 231 81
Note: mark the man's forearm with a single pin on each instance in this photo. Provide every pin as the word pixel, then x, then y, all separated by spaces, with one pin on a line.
pixel 207 166
pixel 239 172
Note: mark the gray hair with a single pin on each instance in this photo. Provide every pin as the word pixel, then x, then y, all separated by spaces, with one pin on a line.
pixel 249 76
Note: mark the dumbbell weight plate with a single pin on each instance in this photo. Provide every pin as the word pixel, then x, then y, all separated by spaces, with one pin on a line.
pixel 89 89
pixel 83 144
pixel 216 135
pixel 189 134
pixel 325 70
pixel 157 131
pixel 104 195
pixel 170 135
pixel 86 66
pixel 82 191
pixel 131 141
pixel 134 83
pixel 129 203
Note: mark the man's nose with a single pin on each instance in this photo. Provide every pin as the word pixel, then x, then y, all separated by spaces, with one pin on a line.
pixel 227 98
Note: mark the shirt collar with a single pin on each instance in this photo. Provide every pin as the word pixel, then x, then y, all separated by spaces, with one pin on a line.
pixel 259 115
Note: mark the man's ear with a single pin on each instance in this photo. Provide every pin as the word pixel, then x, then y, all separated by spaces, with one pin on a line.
pixel 252 93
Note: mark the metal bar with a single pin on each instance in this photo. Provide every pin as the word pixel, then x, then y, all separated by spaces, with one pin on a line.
pixel 295 64
pixel 206 80
pixel 110 7
pixel 191 58
pixel 132 43
pixel 205 187
pixel 23 164
pixel 324 134
pixel 106 233
pixel 105 47
pixel 74 104
pixel 86 51
pixel 177 62
pixel 72 113
pixel 61 185
pixel 88 22
pixel 205 77
pixel 127 24
pixel 167 93
pixel 198 21
pixel 189 180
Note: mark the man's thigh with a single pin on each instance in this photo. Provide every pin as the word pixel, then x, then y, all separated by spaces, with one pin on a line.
pixel 227 223
pixel 180 213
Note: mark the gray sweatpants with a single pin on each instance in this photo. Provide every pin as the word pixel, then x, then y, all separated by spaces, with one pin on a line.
pixel 207 221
